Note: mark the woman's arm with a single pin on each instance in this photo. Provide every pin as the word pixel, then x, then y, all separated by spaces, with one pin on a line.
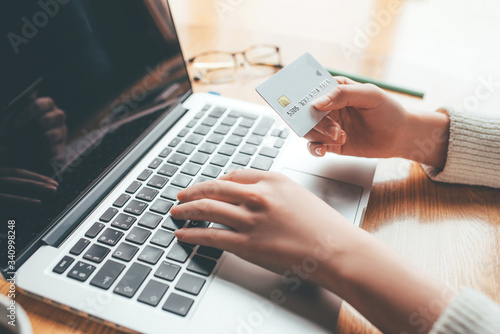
pixel 281 226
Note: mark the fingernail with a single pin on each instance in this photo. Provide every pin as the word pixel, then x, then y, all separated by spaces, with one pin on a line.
pixel 179 234
pixel 334 132
pixel 321 101
pixel 317 150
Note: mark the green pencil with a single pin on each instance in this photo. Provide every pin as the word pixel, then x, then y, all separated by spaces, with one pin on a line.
pixel 383 85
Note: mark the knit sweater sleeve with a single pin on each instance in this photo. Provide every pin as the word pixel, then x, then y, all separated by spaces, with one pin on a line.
pixel 473 151
pixel 469 312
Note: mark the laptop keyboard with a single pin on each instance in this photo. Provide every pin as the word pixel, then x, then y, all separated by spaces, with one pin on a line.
pixel 133 244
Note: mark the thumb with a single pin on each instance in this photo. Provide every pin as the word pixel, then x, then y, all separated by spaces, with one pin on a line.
pixel 362 96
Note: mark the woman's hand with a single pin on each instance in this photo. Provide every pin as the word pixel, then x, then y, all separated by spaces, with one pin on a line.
pixel 362 121
pixel 279 225
pixel 274 222
pixel 365 121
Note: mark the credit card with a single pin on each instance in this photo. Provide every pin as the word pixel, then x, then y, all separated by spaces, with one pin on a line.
pixel 291 91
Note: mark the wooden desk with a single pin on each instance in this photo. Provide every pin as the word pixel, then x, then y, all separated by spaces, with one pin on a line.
pixel 449 231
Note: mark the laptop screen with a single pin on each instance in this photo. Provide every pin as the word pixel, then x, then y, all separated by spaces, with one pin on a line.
pixel 78 80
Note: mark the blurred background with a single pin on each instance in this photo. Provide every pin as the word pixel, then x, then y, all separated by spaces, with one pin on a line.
pixel 443 47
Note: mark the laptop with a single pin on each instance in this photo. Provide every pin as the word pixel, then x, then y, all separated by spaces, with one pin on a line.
pixel 99 131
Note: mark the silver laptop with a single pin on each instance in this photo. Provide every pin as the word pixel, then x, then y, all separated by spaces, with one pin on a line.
pixel 100 102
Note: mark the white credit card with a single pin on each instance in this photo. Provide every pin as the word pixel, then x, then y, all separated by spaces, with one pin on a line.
pixel 291 91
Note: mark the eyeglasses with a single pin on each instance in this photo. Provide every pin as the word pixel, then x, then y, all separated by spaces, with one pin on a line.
pixel 220 66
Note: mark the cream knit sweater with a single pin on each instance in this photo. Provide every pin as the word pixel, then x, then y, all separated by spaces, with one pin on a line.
pixel 473 158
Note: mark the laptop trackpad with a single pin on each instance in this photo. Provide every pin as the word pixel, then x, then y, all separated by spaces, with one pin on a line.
pixel 343 197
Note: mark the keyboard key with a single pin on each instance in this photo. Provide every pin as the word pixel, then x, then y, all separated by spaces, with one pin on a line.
pixel 222 129
pixel 171 193
pixel 191 124
pixel 177 159
pixel 110 236
pixel 62 265
pixel 208 148
pixel 178 304
pixel 263 127
pixel 198 223
pixel 276 132
pixel 123 221
pixel 166 151
pixel 269 152
pixel 219 160
pixel 206 107
pixel 232 167
pixel 179 253
pixel 190 169
pixel 186 149
pixel 81 271
pixel 284 133
pixel 161 206
pixel 201 265
pixel 237 113
pixel 167 271
pixel 211 171
pixel 107 275
pixel 153 293
pixel 155 163
pixel 80 245
pixel 183 133
pixel 209 121
pixel 279 143
pixel 138 235
pixel 135 207
pixel 173 224
pixel 94 230
pixel 247 122
pixel 217 112
pixel 174 142
pixel 241 159
pixel 227 150
pixel 144 174
pixel 229 121
pixel 162 238
pixel 167 170
pixel 133 187
pixel 234 140
pixel 262 163
pixel 108 215
pixel 201 179
pixel 199 115
pixel 150 220
pixel 96 253
pixel 125 252
pixel 181 181
pixel 240 131
pixel 248 149
pixel 121 200
pixel 132 280
pixel 147 194
pixel 255 140
pixel 215 138
pixel 158 181
pixel 194 139
pixel 202 130
pixel 190 284
pixel 199 158
pixel 150 254
pixel 212 252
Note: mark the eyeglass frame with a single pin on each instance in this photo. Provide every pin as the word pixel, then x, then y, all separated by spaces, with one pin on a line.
pixel 235 59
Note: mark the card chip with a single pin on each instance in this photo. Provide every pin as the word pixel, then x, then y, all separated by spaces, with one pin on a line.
pixel 284 101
